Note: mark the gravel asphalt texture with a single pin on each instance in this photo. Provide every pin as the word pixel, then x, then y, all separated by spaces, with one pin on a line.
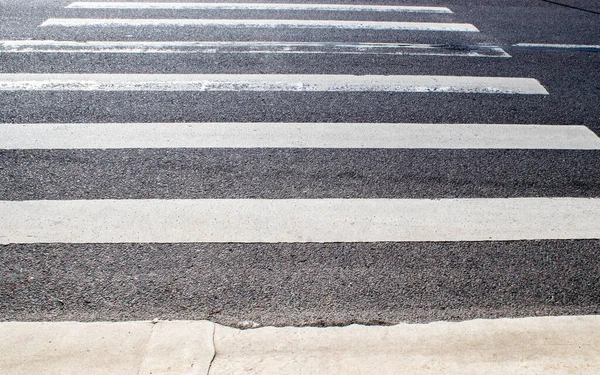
pixel 306 284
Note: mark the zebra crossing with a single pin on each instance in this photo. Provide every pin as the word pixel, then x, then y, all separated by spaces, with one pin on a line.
pixel 257 6
pixel 399 49
pixel 296 135
pixel 269 82
pixel 262 23
pixel 284 221
pixel 357 216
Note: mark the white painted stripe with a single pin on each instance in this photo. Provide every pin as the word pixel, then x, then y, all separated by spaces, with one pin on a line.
pixel 295 135
pixel 265 23
pixel 51 46
pixel 268 82
pixel 298 220
pixel 257 6
pixel 559 46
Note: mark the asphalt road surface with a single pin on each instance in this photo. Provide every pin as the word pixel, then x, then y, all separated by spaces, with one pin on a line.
pixel 72 63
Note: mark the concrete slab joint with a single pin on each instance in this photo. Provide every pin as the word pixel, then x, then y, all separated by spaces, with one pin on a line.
pixel 179 347
pixel 548 345
pixel 127 348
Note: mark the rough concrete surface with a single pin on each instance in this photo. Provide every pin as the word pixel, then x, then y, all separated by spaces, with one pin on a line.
pixel 136 348
pixel 523 346
pixel 548 345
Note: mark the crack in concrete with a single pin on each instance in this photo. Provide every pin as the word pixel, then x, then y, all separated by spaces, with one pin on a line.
pixel 214 345
pixel 141 365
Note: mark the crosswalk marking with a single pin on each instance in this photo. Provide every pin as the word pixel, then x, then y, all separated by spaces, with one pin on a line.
pixel 261 23
pixel 550 46
pixel 257 6
pixel 54 46
pixel 295 135
pixel 298 220
pixel 269 82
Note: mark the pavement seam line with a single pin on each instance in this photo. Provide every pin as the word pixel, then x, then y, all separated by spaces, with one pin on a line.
pixel 214 347
pixel 139 372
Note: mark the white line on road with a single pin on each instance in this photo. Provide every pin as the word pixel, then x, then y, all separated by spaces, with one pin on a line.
pixel 295 135
pixel 257 6
pixel 298 220
pixel 51 46
pixel 264 23
pixel 269 82
pixel 559 46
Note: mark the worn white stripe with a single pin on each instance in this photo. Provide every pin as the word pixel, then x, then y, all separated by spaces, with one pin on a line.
pixel 295 135
pixel 257 6
pixel 264 23
pixel 51 46
pixel 559 46
pixel 268 82
pixel 298 220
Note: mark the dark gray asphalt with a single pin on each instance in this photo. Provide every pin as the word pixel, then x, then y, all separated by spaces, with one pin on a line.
pixel 297 173
pixel 296 284
pixel 300 284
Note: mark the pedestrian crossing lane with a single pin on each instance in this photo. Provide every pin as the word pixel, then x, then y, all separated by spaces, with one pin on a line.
pixel 50 46
pixel 271 82
pixel 251 47
pixel 257 6
pixel 261 23
pixel 304 220
pixel 296 135
pixel 258 23
pixel 287 220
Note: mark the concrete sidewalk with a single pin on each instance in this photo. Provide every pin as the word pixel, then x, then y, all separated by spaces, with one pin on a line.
pixel 549 345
